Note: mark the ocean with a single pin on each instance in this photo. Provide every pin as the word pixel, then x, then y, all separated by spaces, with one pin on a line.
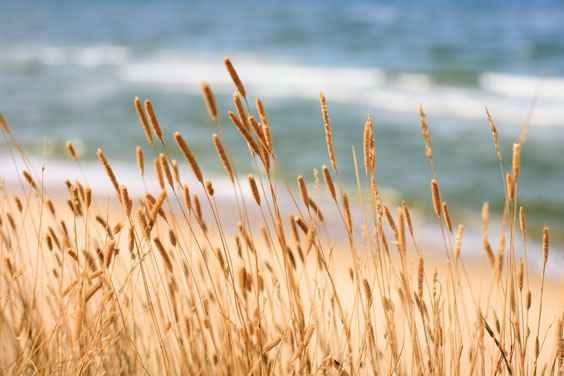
pixel 69 70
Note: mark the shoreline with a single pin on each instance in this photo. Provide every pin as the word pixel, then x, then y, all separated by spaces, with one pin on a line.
pixel 427 228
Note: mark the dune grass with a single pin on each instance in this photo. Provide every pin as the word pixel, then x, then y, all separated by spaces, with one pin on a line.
pixel 165 284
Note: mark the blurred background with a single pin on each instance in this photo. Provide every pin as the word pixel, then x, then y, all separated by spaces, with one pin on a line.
pixel 70 70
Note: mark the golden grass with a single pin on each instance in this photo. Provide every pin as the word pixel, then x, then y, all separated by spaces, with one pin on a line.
pixel 171 285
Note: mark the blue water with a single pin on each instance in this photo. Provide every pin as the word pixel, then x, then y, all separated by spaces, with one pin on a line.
pixel 69 70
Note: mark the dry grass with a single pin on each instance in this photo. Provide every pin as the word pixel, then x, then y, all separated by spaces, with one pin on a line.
pixel 169 285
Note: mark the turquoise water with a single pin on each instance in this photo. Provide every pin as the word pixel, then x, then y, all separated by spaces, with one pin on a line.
pixel 70 70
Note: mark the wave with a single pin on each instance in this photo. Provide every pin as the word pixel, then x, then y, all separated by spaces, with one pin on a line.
pixel 507 97
pixel 264 75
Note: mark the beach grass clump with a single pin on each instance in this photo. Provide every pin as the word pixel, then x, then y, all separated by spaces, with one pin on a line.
pixel 173 281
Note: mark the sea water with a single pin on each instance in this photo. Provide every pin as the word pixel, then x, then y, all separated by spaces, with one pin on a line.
pixel 69 71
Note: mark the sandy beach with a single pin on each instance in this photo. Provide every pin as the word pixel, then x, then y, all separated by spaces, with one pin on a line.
pixel 36 269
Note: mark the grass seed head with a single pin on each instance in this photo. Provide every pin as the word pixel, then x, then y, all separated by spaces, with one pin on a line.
pixel 235 77
pixel 143 120
pixel 153 120
pixel 209 100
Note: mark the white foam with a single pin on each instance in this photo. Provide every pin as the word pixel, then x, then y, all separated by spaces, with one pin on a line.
pixel 89 57
pixel 414 81
pixel 465 103
pixel 509 85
